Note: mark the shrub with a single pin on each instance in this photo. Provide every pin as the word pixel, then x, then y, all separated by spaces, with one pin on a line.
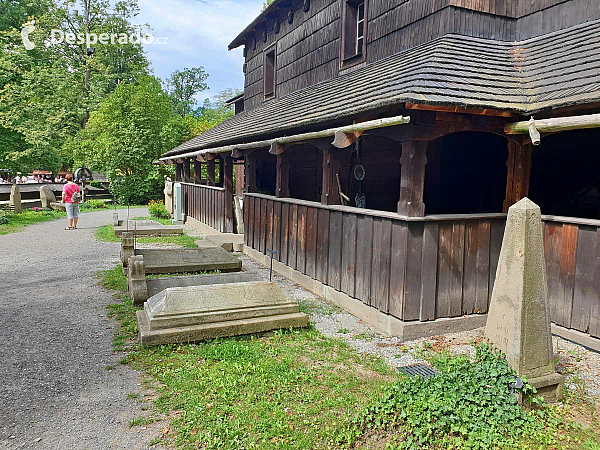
pixel 95 204
pixel 98 184
pixel 158 209
pixel 3 219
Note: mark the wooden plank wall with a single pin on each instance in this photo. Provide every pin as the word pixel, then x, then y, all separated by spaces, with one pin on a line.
pixel 422 270
pixel 205 204
pixel 307 51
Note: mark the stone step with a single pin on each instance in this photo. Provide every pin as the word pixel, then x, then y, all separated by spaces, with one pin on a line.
pixel 229 241
pixel 215 330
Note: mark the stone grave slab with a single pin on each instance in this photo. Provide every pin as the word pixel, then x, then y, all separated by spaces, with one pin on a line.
pixel 146 228
pixel 183 260
pixel 518 321
pixel 157 285
pixel 190 314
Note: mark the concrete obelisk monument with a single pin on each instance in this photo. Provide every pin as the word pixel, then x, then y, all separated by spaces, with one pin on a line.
pixel 518 321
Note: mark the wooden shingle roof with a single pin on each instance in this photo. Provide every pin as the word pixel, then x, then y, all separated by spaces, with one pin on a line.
pixel 547 72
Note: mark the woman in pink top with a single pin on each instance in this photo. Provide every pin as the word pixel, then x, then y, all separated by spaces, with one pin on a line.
pixel 72 207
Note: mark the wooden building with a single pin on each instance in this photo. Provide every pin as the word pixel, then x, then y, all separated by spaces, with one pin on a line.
pixel 384 140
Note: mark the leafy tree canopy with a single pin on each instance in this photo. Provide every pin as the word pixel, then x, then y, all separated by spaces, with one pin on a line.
pixel 183 85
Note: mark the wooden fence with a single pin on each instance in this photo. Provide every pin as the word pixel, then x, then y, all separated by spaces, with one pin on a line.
pixel 422 268
pixel 205 204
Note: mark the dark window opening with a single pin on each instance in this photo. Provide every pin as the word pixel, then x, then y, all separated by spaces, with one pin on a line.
pixel 306 172
pixel 380 161
pixel 239 106
pixel 269 75
pixel 265 172
pixel 354 29
pixel 466 174
pixel 565 174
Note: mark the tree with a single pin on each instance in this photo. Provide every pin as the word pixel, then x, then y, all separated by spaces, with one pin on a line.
pixel 130 130
pixel 183 86
pixel 47 93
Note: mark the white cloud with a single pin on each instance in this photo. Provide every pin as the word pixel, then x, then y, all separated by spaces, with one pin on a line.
pixel 198 32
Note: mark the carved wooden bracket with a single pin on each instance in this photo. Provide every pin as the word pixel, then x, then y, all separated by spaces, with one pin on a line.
pixel 343 140
pixel 210 156
pixel 200 158
pixel 278 149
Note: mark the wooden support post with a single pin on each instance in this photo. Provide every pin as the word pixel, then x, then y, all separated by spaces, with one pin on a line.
pixel 282 189
pixel 239 180
pixel 227 178
pixel 331 167
pixel 220 161
pixel 178 171
pixel 210 172
pixel 186 170
pixel 197 172
pixel 412 178
pixel 519 169
pixel 250 172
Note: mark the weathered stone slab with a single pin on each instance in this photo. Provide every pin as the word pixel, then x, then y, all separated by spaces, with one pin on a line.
pixel 157 285
pixel 127 248
pixel 15 199
pixel 47 197
pixel 58 206
pixel 203 312
pixel 518 320
pixel 182 260
pixel 136 280
pixel 147 228
pixel 228 241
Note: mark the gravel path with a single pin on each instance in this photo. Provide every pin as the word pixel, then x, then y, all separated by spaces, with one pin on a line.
pixel 61 385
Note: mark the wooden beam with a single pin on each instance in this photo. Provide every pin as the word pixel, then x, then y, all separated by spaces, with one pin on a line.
pixel 210 172
pixel 412 178
pixel 278 149
pixel 197 172
pixel 331 168
pixel 250 173
pixel 282 189
pixel 555 124
pixel 343 140
pixel 297 138
pixel 518 174
pixel 227 177
pixel 187 171
pixel 458 109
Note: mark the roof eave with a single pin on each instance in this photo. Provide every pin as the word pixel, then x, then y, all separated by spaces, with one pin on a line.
pixel 241 38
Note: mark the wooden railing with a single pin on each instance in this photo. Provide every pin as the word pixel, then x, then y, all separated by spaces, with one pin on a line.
pixel 206 204
pixel 422 268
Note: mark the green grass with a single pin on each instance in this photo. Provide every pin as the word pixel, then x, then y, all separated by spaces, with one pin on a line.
pixel 299 389
pixel 18 222
pixel 107 233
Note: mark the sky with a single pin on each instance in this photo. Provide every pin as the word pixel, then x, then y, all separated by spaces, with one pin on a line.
pixel 198 32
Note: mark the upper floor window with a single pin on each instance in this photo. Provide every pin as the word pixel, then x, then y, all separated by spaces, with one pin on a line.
pixel 353 31
pixel 269 73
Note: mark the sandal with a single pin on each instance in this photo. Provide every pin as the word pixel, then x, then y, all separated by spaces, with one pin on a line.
pixel 69 228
